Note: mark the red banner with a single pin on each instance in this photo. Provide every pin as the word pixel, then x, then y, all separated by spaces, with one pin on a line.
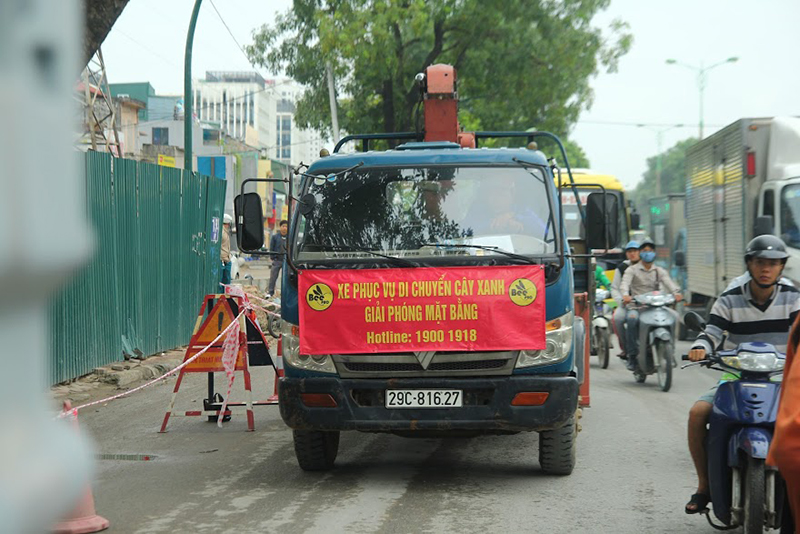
pixel 423 309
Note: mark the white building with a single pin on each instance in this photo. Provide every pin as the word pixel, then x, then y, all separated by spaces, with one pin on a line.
pixel 257 111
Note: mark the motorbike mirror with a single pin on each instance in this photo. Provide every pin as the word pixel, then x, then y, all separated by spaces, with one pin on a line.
pixel 680 258
pixel 694 321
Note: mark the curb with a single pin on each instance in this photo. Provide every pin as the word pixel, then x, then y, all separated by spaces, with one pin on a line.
pixel 145 370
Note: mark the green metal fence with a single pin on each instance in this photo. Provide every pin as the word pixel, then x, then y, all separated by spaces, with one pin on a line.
pixel 157 238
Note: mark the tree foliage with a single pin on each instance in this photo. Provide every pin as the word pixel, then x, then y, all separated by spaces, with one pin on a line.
pixel 520 63
pixel 673 174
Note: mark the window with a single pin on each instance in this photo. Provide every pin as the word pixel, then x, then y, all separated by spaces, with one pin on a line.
pixel 286 153
pixel 436 211
pixel 769 202
pixel 286 124
pixel 790 214
pixel 161 136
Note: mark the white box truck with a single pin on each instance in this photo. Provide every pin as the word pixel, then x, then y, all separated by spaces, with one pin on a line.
pixel 742 181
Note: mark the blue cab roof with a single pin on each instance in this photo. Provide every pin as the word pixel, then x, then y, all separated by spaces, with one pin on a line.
pixel 416 154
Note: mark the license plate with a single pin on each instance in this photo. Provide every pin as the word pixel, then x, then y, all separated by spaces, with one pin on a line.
pixel 424 398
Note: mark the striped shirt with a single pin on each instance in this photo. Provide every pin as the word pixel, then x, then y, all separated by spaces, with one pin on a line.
pixel 736 313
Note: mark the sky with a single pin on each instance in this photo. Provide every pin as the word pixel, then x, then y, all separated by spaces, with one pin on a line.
pixel 147 44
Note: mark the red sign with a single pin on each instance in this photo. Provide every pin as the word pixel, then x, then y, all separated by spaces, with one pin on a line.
pixel 423 309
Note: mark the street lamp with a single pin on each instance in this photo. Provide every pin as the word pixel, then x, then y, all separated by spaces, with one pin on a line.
pixel 659 139
pixel 702 73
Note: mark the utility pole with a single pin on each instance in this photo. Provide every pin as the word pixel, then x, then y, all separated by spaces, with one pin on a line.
pixel 188 105
pixel 332 98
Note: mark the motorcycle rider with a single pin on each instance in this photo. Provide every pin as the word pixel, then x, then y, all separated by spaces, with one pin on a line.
pixel 761 309
pixel 632 255
pixel 643 277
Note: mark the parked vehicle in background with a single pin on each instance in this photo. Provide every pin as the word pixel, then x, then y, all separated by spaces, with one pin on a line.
pixel 668 231
pixel 588 182
pixel 741 182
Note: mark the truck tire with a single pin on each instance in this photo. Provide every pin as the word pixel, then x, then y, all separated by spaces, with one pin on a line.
pixel 557 449
pixel 315 450
pixel 754 492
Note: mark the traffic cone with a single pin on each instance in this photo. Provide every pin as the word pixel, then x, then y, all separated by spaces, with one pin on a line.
pixel 83 518
pixel 278 373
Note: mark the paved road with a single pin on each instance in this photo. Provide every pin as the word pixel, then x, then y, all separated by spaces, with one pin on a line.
pixel 633 475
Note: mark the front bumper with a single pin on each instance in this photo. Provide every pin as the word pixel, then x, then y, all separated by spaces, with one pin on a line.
pixel 487 404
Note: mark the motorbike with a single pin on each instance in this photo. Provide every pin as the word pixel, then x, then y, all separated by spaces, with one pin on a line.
pixel 601 332
pixel 656 338
pixel 744 491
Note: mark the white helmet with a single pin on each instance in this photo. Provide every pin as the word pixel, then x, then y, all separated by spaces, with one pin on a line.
pixel 227 219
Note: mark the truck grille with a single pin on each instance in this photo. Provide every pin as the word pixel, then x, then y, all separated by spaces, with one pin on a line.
pixel 366 367
pixel 407 365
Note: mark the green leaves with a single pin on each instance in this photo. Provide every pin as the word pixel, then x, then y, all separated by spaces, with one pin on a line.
pixel 521 63
pixel 673 174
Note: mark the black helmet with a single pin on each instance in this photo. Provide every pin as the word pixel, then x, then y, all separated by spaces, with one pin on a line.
pixel 647 242
pixel 766 246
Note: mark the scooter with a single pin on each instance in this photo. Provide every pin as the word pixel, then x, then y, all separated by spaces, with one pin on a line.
pixel 744 491
pixel 656 338
pixel 601 332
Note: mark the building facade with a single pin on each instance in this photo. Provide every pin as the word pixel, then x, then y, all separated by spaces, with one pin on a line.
pixel 257 111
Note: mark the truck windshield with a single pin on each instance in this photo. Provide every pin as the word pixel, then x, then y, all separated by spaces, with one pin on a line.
pixel 427 211
pixel 790 214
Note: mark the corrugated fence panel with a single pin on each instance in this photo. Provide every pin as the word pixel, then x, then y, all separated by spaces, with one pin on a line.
pixel 152 265
pixel 149 257
pixel 172 325
pixel 215 201
pixel 129 253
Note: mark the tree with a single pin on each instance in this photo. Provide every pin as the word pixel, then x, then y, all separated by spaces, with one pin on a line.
pixel 520 63
pixel 99 17
pixel 673 174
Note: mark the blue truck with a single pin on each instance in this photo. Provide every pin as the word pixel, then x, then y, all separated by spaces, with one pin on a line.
pixel 435 199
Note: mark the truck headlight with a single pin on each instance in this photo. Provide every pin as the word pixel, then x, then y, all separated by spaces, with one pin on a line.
pixel 559 344
pixel 290 341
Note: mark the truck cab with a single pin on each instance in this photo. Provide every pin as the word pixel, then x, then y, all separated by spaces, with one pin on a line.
pixel 430 290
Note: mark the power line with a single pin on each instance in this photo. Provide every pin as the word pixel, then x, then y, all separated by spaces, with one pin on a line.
pixel 638 124
pixel 170 62
pixel 241 48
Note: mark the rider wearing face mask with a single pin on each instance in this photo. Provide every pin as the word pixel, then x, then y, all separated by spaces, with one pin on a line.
pixel 632 255
pixel 644 277
pixel 761 308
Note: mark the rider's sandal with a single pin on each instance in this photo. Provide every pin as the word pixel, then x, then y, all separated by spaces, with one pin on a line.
pixel 700 501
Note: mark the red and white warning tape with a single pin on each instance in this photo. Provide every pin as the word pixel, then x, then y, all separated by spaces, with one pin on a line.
pixel 233 326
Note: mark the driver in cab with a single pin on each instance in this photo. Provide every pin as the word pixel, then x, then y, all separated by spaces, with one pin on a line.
pixel 640 278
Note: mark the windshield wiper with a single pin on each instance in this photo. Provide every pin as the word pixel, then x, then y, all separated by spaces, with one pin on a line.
pixel 397 260
pixel 482 247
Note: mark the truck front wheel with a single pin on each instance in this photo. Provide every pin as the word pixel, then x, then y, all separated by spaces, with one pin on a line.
pixel 557 449
pixel 315 450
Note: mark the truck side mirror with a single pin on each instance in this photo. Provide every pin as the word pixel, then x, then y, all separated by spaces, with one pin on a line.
pixel 602 221
pixel 636 221
pixel 249 221
pixel 765 224
pixel 680 258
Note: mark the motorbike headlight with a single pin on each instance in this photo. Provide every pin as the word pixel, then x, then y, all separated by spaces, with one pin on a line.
pixel 290 342
pixel 558 344
pixel 759 362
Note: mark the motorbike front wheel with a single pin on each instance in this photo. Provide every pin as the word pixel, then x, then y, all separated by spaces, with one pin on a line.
pixel 603 346
pixel 754 490
pixel 663 360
